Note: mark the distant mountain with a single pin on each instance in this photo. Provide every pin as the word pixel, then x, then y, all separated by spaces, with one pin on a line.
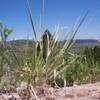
pixel 86 42
pixel 76 42
pixel 81 44
pixel 28 45
pixel 23 41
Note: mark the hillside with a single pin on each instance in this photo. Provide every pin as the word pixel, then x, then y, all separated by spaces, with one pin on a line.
pixel 27 45
pixel 76 42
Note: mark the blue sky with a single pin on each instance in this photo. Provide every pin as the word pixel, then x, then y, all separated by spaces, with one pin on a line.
pixel 63 12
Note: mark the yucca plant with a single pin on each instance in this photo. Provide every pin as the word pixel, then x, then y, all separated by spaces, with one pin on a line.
pixel 47 60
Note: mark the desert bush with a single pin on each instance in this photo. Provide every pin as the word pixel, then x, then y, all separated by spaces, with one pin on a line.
pixel 93 62
pixel 86 68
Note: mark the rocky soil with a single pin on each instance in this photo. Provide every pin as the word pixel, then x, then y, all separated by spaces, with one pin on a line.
pixel 82 92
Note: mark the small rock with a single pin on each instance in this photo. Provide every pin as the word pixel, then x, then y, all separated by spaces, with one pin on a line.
pixel 40 91
pixel 1 98
pixel 69 96
pixel 50 98
pixel 16 96
pixel 96 96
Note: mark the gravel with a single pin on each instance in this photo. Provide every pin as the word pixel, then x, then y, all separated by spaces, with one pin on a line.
pixel 76 92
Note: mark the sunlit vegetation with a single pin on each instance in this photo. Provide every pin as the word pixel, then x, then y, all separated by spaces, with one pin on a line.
pixel 47 61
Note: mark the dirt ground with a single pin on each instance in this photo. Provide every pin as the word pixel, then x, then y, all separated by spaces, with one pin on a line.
pixel 82 92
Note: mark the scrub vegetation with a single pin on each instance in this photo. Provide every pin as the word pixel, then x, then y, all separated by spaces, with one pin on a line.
pixel 47 61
